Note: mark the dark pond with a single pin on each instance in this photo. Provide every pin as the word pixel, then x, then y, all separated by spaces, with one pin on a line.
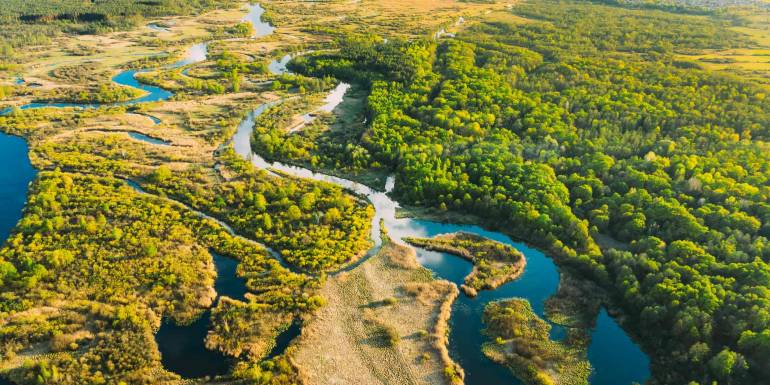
pixel 182 348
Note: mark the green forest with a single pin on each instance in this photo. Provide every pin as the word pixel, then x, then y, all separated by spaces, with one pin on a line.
pixel 581 128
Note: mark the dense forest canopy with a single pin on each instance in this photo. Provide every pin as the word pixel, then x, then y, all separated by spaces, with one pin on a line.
pixel 582 121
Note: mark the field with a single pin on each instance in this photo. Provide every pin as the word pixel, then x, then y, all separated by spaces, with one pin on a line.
pixel 749 63
pixel 381 325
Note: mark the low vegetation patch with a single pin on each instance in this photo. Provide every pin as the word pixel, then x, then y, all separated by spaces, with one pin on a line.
pixel 520 340
pixel 494 263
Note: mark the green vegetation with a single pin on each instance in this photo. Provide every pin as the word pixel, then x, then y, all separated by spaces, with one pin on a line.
pixel 521 342
pixel 102 94
pixel 584 119
pixel 494 263
pixel 315 226
pixel 574 125
pixel 97 265
pixel 94 265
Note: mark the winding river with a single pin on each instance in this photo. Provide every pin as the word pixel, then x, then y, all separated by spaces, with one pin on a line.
pixel 615 358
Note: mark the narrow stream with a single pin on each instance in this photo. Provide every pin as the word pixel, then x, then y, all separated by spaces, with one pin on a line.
pixel 195 54
pixel 148 139
pixel 157 28
pixel 183 348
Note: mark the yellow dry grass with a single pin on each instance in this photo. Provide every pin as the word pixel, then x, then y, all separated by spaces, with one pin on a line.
pixel 340 343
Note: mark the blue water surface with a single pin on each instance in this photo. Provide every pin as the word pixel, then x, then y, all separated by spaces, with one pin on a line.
pixel 15 175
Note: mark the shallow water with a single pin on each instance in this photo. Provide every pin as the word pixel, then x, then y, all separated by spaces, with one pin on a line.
pixel 157 28
pixel 278 67
pixel 148 139
pixel 155 120
pixel 254 16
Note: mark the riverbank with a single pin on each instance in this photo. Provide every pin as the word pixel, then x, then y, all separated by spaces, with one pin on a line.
pixel 384 322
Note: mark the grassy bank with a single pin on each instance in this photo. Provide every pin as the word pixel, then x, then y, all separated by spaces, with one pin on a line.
pixel 385 322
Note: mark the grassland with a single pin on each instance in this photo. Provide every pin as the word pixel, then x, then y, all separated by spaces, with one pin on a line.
pixel 752 62
pixel 384 323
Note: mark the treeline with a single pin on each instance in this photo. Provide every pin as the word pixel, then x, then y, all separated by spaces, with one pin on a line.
pixel 27 23
pixel 581 122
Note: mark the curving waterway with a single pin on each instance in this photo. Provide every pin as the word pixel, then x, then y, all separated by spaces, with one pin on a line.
pixel 182 347
pixel 615 358
pixel 622 363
